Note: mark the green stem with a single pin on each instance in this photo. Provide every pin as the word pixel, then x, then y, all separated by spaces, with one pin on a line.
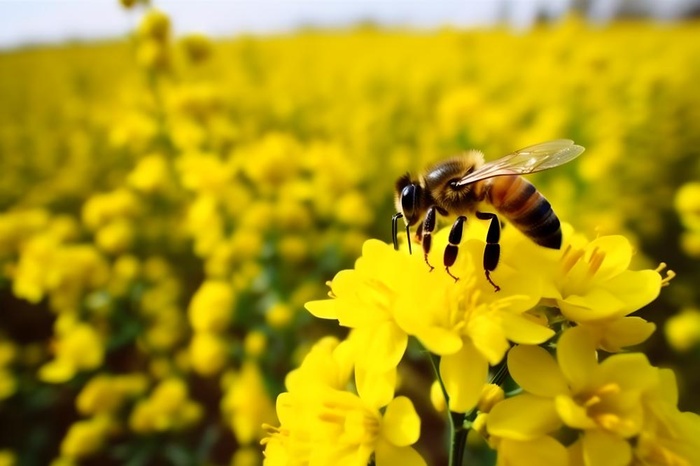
pixel 458 433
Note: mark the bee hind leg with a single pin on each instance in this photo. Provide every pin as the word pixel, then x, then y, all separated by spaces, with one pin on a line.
pixel 453 244
pixel 492 251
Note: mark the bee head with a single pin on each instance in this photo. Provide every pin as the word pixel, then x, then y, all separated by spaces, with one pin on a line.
pixel 409 199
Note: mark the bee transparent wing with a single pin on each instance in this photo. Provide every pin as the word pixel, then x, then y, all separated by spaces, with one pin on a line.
pixel 528 160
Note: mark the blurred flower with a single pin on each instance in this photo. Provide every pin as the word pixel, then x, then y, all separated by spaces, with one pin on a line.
pixel 167 408
pixel 197 47
pixel 683 329
pixel 246 404
pixel 85 437
pixel 208 353
pixel 105 394
pixel 211 307
pixel 78 347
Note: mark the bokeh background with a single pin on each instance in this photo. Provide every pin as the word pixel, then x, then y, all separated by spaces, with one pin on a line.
pixel 170 199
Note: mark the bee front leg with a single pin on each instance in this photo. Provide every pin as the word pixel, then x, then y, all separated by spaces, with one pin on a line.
pixel 492 252
pixel 395 229
pixel 453 247
pixel 427 231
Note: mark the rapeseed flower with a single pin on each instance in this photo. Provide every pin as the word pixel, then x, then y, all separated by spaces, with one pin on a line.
pixel 246 404
pixel 683 330
pixel 322 423
pixel 611 403
pixel 168 407
pixel 365 299
pixel 78 347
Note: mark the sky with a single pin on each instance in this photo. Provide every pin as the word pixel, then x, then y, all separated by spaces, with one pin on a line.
pixel 50 21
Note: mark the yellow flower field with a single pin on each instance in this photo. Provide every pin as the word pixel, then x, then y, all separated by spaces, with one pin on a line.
pixel 175 210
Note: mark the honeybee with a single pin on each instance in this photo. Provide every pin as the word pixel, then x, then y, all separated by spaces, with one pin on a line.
pixel 459 185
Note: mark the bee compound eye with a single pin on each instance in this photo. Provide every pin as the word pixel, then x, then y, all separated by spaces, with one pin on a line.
pixel 409 200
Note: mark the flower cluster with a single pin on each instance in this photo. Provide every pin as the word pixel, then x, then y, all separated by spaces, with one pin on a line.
pixel 621 411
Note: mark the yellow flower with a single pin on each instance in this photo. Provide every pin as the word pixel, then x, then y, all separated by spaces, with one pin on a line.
pixel 279 316
pixel 8 383
pixel 211 307
pixel 255 343
pixel 154 25
pixel 683 330
pixel 115 237
pixel 197 47
pixel 591 284
pixel 85 437
pixel 167 408
pixel 365 299
pixel 537 452
pixel 467 323
pixel 608 402
pixel 246 404
pixel 668 437
pixel 150 174
pixel 102 209
pixel 208 353
pixel 78 347
pixel 106 394
pixel 321 423
pixel 7 458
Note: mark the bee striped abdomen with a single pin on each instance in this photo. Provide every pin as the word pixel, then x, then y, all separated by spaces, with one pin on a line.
pixel 518 200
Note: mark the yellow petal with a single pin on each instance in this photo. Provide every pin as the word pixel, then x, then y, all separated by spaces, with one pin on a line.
pixel 668 387
pixel 537 452
pixel 631 371
pixel 597 304
pixel 624 332
pixel 380 349
pixel 618 253
pixel 573 414
pixel 401 424
pixel 603 449
pixel 323 309
pixel 519 328
pixel 375 388
pixel 577 357
pixel 464 375
pixel 57 371
pixel 386 454
pixel 635 288
pixel 523 417
pixel 439 340
pixel 536 371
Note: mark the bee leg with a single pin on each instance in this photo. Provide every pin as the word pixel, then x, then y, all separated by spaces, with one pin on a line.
pixel 453 247
pixel 428 227
pixel 492 252
pixel 395 232
pixel 395 229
